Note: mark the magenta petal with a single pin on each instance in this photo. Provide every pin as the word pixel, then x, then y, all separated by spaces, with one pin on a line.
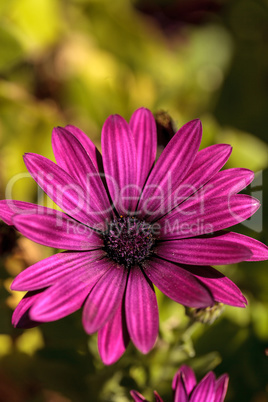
pixel 143 126
pixel 55 229
pixel 207 163
pixel 190 220
pixel 259 251
pixel 20 317
pixel 68 294
pixel 73 158
pixel 223 184
pixel 89 146
pixel 65 190
pixel 120 163
pixel 221 388
pixel 9 208
pixel 223 290
pixel 202 251
pixel 137 397
pixel 157 397
pixel 180 394
pixel 205 390
pixel 104 298
pixel 113 337
pixel 228 182
pixel 141 311
pixel 60 300
pixel 177 283
pixel 48 271
pixel 188 377
pixel 171 167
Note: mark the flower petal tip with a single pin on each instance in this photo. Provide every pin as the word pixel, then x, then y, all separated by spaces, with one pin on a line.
pixel 17 285
pixel 145 349
pixel 230 149
pixel 109 361
pixel 196 123
pixel 35 315
pixel 137 396
pixel 13 285
pixel 56 131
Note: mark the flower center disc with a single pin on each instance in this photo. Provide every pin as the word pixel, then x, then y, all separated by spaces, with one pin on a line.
pixel 128 240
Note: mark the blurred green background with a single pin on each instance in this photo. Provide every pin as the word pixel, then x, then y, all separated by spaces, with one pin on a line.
pixel 78 61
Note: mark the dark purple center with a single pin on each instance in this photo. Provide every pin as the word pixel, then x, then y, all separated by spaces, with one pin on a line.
pixel 128 241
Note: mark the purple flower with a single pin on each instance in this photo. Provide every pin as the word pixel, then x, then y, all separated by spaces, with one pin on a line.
pixel 129 223
pixel 185 388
